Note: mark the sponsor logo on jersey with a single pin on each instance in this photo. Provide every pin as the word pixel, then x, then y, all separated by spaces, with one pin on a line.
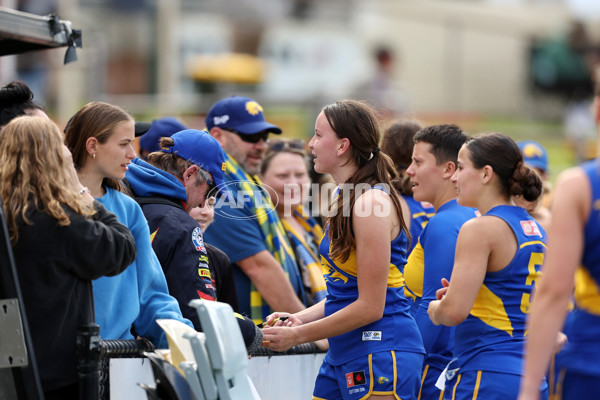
pixel 369 336
pixel 203 258
pixel 197 239
pixel 530 228
pixel 355 378
pixel 204 272
pixel 205 296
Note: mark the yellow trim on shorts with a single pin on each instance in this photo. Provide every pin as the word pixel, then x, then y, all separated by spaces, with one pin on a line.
pixel 477 384
pixel 423 380
pixel 455 386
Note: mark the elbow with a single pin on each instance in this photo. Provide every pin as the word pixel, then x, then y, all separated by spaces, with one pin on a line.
pixel 372 313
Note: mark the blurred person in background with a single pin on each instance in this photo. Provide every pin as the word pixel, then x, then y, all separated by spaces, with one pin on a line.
pixel 16 98
pixel 249 231
pixel 62 239
pixel 101 137
pixel 536 157
pixel 160 127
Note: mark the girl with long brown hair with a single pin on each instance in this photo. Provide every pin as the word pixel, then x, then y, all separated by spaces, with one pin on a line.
pixel 375 347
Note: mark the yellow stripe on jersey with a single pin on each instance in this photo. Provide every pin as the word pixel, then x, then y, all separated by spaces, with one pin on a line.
pixel 587 293
pixel 395 277
pixel 413 271
pixel 489 308
pixel 532 243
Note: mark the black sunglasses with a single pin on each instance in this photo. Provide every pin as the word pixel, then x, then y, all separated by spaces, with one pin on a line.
pixel 264 135
pixel 283 144
pixel 211 184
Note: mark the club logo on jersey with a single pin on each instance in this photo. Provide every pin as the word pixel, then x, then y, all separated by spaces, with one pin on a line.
pixel 355 378
pixel 197 239
pixel 370 336
pixel 530 228
pixel 330 273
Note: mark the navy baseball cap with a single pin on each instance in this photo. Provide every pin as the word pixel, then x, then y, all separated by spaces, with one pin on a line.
pixel 242 114
pixel 203 150
pixel 534 154
pixel 161 127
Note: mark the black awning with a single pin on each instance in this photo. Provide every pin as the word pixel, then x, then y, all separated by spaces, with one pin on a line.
pixel 22 32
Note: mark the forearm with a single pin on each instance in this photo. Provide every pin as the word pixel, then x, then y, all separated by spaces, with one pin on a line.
pixel 355 315
pixel 545 321
pixel 271 282
pixel 312 313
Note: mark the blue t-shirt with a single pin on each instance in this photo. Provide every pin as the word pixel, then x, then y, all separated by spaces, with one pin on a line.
pixel 438 243
pixel 139 295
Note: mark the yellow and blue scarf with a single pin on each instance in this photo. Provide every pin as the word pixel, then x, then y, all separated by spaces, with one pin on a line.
pixel 275 238
pixel 307 253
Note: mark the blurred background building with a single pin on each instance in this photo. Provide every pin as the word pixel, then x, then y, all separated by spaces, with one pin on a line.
pixel 479 63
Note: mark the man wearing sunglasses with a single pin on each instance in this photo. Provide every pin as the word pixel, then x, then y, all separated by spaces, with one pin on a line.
pixel 248 229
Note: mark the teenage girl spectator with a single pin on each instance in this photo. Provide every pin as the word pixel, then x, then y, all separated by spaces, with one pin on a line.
pixel 60 243
pixel 101 138
pixel 374 344
pixel 573 259
pixel 497 262
pixel 284 172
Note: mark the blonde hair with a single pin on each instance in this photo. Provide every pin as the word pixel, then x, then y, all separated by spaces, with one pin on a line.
pixel 34 173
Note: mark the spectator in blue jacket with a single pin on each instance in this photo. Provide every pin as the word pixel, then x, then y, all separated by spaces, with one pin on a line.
pixel 101 138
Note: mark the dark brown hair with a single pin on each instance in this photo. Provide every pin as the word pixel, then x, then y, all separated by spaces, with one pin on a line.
pixel 504 156
pixel 398 142
pixel 16 99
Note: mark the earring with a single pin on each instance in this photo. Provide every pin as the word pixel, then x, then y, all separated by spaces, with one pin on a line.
pixel 94 156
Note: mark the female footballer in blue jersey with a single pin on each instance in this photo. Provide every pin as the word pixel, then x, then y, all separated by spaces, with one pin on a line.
pixel 497 262
pixel 573 259
pixel 375 350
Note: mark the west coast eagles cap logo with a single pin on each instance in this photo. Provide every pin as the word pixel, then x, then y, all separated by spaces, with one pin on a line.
pixel 253 108
pixel 531 151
